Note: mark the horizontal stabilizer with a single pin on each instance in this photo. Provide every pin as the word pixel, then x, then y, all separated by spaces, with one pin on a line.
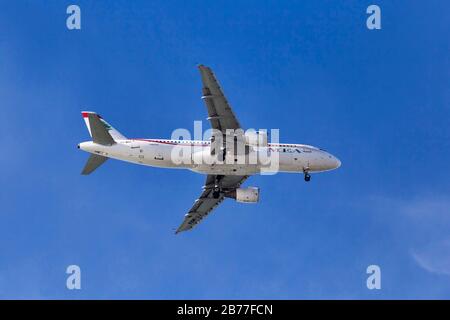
pixel 93 163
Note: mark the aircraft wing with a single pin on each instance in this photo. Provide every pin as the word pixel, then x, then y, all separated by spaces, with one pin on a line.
pixel 206 203
pixel 220 113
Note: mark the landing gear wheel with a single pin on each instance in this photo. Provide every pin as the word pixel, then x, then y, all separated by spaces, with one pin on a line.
pixel 307 177
pixel 216 193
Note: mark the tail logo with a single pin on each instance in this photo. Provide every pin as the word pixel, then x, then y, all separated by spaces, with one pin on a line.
pixel 106 124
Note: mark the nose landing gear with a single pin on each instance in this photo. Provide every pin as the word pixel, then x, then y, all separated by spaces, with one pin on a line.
pixel 307 175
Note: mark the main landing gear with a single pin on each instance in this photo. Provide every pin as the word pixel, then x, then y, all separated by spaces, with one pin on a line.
pixel 216 189
pixel 216 192
pixel 307 175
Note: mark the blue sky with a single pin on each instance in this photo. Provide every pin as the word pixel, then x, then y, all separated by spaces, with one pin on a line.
pixel 379 100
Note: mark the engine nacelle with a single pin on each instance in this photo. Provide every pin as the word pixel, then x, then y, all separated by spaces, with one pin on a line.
pixel 246 195
pixel 256 138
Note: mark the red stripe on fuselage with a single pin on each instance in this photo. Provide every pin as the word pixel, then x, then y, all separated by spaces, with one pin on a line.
pixel 207 144
pixel 173 143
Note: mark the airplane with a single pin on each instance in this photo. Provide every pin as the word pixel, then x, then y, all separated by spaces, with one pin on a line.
pixel 228 164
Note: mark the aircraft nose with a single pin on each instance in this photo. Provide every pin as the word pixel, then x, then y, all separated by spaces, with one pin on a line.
pixel 338 162
pixel 332 162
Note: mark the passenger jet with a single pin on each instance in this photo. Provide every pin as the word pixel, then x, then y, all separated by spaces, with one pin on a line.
pixel 226 164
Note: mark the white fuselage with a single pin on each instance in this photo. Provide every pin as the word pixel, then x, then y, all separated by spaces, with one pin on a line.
pixel 196 156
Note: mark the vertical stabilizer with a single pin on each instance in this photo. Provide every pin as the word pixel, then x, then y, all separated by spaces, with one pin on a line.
pixel 100 130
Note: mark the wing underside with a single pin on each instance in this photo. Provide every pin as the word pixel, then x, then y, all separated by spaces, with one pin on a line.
pixel 220 113
pixel 207 202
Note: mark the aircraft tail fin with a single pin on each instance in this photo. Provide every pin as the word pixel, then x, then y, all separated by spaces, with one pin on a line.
pixel 100 130
pixel 93 163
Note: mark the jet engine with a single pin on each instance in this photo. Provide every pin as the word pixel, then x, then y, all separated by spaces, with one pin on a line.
pixel 246 195
pixel 256 138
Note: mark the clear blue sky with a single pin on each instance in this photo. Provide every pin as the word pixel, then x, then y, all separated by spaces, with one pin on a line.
pixel 379 100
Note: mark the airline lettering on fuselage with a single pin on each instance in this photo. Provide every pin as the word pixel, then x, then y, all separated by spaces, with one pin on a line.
pixel 288 150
